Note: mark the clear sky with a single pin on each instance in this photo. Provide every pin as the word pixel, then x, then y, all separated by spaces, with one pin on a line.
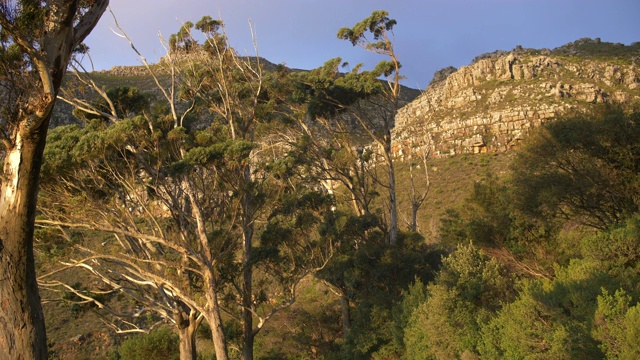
pixel 430 34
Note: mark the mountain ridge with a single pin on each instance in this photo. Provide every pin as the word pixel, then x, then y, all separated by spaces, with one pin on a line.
pixel 491 104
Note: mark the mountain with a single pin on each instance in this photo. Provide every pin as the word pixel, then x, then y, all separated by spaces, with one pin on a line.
pixel 491 104
pixel 486 107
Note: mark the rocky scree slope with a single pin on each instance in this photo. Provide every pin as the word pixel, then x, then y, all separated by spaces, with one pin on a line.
pixel 491 104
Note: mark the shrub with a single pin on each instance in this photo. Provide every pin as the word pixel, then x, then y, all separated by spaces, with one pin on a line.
pixel 158 344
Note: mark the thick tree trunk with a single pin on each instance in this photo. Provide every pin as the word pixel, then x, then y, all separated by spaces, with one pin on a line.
pixel 187 322
pixel 66 24
pixel 22 328
pixel 187 335
pixel 247 303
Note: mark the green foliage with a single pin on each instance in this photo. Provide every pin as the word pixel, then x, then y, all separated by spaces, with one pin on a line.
pixel 489 219
pixel 378 24
pixel 208 25
pixel 374 276
pixel 550 318
pixel 617 249
pixel 183 39
pixel 583 167
pixel 413 298
pixel 58 152
pixel 158 344
pixel 128 101
pixel 27 17
pixel 469 288
pixel 327 92
pixel 617 326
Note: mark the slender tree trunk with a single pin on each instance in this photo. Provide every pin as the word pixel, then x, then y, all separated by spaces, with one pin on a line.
pixel 414 216
pixel 215 320
pixel 22 328
pixel 247 301
pixel 346 315
pixel 393 203
pixel 247 271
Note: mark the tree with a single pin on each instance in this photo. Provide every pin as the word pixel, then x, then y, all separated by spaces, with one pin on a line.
pixel 380 27
pixel 359 97
pixel 550 318
pixel 373 277
pixel 582 168
pixel 468 290
pixel 183 193
pixel 418 194
pixel 37 40
pixel 345 114
pixel 617 326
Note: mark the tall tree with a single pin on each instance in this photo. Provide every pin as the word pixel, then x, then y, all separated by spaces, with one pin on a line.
pixel 378 116
pixel 184 193
pixel 37 39
pixel 359 102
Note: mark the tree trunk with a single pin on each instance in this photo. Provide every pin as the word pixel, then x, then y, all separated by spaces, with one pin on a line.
pixel 247 271
pixel 187 335
pixel 393 203
pixel 247 303
pixel 187 322
pixel 66 24
pixel 346 315
pixel 414 216
pixel 22 328
pixel 215 320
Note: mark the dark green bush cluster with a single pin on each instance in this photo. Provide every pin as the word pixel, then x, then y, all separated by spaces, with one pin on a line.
pixel 158 344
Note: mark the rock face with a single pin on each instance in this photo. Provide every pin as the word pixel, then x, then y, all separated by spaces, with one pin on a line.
pixel 490 105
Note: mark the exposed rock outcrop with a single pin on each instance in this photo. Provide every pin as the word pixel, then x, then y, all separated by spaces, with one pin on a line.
pixel 493 103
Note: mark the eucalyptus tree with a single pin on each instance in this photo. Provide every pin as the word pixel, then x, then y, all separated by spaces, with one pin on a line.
pixel 343 118
pixel 37 39
pixel 377 116
pixel 357 112
pixel 195 195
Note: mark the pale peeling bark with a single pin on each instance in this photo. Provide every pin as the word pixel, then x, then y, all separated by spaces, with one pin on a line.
pixel 187 337
pixel 22 329
pixel 12 166
pixel 215 319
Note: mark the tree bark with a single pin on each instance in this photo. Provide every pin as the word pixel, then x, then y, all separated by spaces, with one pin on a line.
pixel 215 320
pixel 414 216
pixel 247 299
pixel 22 328
pixel 393 203
pixel 346 315
pixel 247 271
pixel 187 325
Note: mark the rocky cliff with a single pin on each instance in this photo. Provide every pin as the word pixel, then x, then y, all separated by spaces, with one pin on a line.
pixel 490 105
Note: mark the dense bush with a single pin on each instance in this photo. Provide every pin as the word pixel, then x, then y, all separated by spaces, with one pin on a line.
pixel 158 344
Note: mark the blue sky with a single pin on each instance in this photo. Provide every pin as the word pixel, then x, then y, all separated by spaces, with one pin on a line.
pixel 430 34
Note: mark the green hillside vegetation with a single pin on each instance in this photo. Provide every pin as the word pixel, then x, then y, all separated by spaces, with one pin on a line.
pixel 249 216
